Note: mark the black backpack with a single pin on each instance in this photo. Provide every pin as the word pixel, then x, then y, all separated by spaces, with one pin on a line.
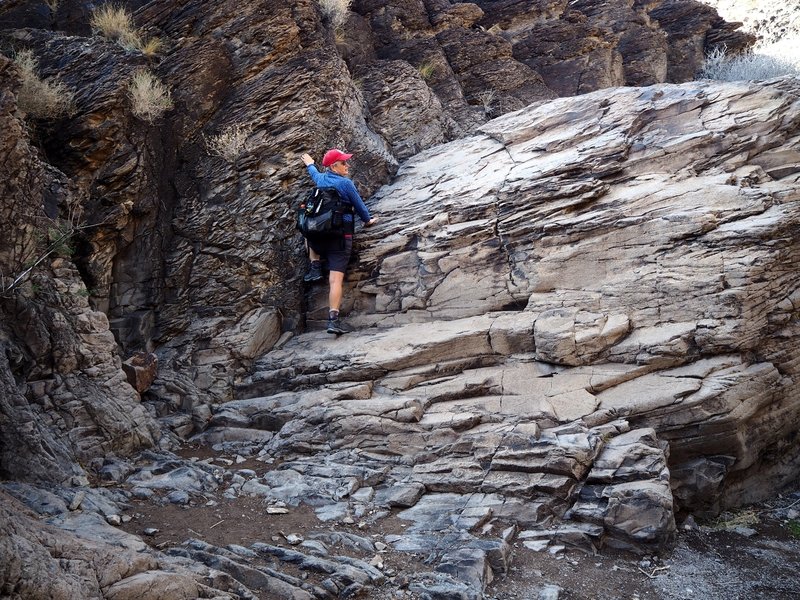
pixel 321 214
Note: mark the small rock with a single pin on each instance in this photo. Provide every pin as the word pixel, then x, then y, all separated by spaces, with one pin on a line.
pixel 380 546
pixel 141 493
pixel 348 520
pixel 277 510
pixel 793 513
pixel 76 500
pixel 293 539
pixel 126 518
pixel 315 547
pixel 150 531
pixel 377 562
pixel 178 497
pixel 113 520
pixel 536 545
pixel 240 459
pixel 690 524
pixel 745 531
pixel 549 592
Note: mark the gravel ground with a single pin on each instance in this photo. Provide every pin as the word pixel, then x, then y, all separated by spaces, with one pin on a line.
pixel 752 553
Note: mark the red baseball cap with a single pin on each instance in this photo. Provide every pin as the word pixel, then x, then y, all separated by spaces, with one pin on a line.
pixel 334 155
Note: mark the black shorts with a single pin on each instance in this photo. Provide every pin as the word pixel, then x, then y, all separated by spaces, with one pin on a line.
pixel 337 250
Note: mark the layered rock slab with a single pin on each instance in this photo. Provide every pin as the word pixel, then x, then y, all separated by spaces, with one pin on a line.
pixel 619 265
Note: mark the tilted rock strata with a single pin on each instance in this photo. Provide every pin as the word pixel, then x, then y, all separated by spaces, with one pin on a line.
pixel 181 259
pixel 64 397
pixel 188 246
pixel 619 255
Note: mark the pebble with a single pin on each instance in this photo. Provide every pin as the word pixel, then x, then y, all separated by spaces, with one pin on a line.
pixel 293 539
pixel 178 497
pixel 277 510
pixel 150 531
pixel 690 524
pixel 142 493
pixel 549 592
pixel 113 520
pixel 745 531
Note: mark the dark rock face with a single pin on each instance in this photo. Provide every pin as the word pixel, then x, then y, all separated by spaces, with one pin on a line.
pixel 65 398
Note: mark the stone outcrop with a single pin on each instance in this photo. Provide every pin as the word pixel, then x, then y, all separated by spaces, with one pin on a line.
pixel 103 562
pixel 64 396
pixel 574 320
pixel 185 246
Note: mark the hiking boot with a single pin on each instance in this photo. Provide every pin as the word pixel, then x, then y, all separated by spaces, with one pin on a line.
pixel 314 273
pixel 337 327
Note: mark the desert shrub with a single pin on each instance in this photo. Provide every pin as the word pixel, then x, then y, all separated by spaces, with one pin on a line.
pixel 151 46
pixel 230 143
pixel 486 98
pixel 335 11
pixel 38 98
pixel 426 70
pixel 794 527
pixel 740 518
pixel 745 67
pixel 150 98
pixel 116 23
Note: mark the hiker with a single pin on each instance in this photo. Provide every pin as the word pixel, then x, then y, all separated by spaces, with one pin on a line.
pixel 337 249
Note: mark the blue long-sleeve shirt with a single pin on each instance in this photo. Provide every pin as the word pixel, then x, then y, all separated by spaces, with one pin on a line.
pixel 345 188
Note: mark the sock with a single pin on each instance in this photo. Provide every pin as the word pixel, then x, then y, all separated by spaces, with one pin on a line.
pixel 315 264
pixel 333 315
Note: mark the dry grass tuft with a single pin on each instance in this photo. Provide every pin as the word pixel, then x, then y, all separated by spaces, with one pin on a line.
pixel 741 518
pixel 150 98
pixel 426 70
pixel 151 46
pixel 38 98
pixel 116 23
pixel 752 66
pixel 486 98
pixel 231 143
pixel 336 11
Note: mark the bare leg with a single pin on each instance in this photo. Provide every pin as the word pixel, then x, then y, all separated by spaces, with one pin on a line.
pixel 311 254
pixel 336 280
